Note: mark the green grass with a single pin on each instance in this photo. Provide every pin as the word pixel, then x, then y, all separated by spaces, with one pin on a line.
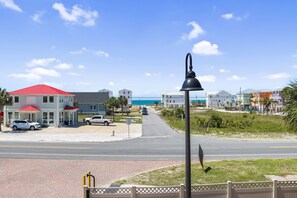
pixel 221 172
pixel 261 125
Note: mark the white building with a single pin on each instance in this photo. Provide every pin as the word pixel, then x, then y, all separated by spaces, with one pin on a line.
pixel 126 93
pixel 277 104
pixel 173 99
pixel 110 94
pixel 220 99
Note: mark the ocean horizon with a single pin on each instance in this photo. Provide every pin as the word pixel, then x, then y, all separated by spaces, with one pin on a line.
pixel 149 102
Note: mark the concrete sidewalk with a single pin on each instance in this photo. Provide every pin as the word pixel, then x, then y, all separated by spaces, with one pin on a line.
pixel 85 133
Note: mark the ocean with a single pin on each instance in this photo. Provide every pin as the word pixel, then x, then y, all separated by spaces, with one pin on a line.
pixel 142 102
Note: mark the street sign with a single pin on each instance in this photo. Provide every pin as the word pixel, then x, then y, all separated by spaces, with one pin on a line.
pixel 128 121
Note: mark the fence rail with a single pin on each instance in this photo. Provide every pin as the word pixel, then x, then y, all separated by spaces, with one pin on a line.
pixel 265 189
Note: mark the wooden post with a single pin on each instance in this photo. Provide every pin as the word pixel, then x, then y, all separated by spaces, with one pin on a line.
pixel 274 190
pixel 133 192
pixel 89 179
pixel 182 191
pixel 229 189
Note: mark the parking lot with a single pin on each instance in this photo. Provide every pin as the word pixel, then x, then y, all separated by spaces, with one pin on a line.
pixel 91 133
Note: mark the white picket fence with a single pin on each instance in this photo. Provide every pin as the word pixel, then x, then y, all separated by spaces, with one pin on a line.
pixel 266 189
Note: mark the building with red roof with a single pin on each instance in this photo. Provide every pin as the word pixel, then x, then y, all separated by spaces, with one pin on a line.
pixel 42 103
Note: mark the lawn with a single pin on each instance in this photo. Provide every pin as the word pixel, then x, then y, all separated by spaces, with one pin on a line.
pixel 221 172
pixel 232 124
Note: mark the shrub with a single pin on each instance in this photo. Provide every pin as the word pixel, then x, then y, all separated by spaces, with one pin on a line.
pixel 179 113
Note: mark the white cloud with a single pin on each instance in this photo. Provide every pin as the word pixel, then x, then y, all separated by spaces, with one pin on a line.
pixel 197 30
pixel 294 66
pixel 277 76
pixel 42 62
pixel 206 48
pixel 76 15
pixel 224 71
pixel 81 67
pixel 172 75
pixel 177 88
pixel 152 74
pixel 227 16
pixel 83 83
pixel 97 53
pixel 235 77
pixel 10 4
pixel 231 16
pixel 63 66
pixel 102 53
pixel 29 76
pixel 36 17
pixel 44 72
pixel 111 83
pixel 206 78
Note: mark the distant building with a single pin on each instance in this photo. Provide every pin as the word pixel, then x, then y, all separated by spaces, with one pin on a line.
pixel 42 103
pixel 91 102
pixel 173 99
pixel 126 93
pixel 220 99
pixel 243 99
pixel 277 101
pixel 110 94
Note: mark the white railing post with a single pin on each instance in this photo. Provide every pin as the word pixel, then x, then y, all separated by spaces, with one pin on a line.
pixel 182 191
pixel 229 189
pixel 133 192
pixel 274 190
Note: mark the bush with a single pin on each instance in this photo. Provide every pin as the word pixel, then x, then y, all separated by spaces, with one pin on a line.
pixel 179 113
pixel 216 121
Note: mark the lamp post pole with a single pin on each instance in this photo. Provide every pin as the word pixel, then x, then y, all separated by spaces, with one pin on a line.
pixel 188 146
pixel 191 83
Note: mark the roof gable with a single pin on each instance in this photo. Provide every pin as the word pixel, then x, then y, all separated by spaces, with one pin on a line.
pixel 40 90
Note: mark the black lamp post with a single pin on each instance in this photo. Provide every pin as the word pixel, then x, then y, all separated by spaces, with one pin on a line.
pixel 191 83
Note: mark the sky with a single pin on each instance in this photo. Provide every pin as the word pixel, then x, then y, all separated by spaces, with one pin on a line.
pixel 141 45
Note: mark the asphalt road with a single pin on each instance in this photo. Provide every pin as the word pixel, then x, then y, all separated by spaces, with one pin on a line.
pixel 159 142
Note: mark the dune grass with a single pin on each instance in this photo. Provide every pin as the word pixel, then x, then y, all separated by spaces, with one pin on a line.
pixel 260 125
pixel 221 172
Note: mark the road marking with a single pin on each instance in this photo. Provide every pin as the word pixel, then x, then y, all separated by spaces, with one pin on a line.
pixel 49 147
pixel 276 147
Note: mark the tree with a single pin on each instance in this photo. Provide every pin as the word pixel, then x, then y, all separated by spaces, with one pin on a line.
pixel 266 104
pixel 112 103
pixel 156 103
pixel 289 95
pixel 4 100
pixel 122 100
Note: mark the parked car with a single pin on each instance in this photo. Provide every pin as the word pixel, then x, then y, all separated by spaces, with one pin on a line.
pixel 98 119
pixel 144 111
pixel 24 124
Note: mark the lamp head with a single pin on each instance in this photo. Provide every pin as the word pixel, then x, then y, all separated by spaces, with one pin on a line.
pixel 191 83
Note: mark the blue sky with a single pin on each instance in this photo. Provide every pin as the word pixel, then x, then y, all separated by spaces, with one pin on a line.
pixel 141 45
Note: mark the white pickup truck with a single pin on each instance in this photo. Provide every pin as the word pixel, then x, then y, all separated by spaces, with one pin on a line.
pixel 98 119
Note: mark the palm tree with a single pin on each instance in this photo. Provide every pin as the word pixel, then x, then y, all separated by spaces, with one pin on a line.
pixel 156 103
pixel 266 104
pixel 4 100
pixel 122 100
pixel 289 95
pixel 112 103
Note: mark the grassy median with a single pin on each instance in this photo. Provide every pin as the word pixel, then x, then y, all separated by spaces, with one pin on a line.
pixel 210 122
pixel 221 172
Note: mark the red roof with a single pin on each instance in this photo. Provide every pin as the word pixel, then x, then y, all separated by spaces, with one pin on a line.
pixel 40 90
pixel 29 109
pixel 67 107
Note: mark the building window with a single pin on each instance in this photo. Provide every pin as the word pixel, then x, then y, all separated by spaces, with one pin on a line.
pixel 51 99
pixel 51 118
pixel 16 99
pixel 44 99
pixel 44 118
pixel 93 107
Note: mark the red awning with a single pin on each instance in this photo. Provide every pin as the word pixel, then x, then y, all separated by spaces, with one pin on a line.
pixel 29 109
pixel 70 108
pixel 1 113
